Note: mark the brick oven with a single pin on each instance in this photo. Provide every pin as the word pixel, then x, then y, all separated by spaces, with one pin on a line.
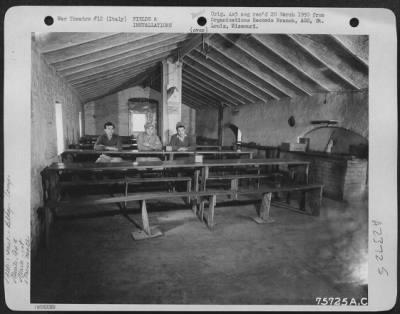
pixel 345 178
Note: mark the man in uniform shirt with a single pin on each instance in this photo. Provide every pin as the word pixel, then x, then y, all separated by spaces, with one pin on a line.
pixel 108 140
pixel 182 141
pixel 148 140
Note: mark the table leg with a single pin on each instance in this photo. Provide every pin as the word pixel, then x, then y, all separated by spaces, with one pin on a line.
pixel 204 177
pixel 263 214
pixel 211 206
pixel 147 232
pixel 145 219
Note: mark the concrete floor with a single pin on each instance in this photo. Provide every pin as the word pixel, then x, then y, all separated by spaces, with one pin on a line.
pixel 93 258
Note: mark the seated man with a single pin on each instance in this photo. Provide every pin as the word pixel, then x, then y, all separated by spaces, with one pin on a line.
pixel 108 140
pixel 148 140
pixel 182 141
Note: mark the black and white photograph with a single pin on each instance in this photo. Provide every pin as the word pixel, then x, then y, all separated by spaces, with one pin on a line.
pixel 200 168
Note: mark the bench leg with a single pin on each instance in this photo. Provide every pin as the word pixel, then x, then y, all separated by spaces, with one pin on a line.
pixel 194 206
pixel 189 189
pixel 263 214
pixel 147 232
pixel 126 194
pixel 145 219
pixel 211 206
pixel 201 209
pixel 234 187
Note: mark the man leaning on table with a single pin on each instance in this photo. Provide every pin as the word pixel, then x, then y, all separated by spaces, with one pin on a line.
pixel 148 140
pixel 108 140
pixel 182 141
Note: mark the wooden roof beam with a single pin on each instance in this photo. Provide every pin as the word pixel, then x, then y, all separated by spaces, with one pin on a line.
pixel 191 44
pixel 114 82
pixel 320 57
pixel 200 103
pixel 351 52
pixel 242 47
pixel 282 55
pixel 249 67
pixel 114 89
pixel 131 47
pixel 226 85
pixel 227 74
pixel 112 62
pixel 112 74
pixel 154 58
pixel 212 98
pixel 248 75
pixel 213 88
pixel 197 94
pixel 110 41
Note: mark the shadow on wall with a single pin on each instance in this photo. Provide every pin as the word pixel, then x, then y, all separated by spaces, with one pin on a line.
pixel 338 140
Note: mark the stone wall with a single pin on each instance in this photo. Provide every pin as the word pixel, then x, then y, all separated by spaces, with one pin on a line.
pixel 47 89
pixel 267 123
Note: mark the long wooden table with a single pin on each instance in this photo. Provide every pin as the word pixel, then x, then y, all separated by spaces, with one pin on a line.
pixel 51 176
pixel 52 172
pixel 70 154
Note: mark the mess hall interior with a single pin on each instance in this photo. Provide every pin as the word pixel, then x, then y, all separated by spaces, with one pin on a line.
pixel 268 206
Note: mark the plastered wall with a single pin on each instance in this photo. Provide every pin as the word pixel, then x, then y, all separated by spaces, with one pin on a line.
pixel 267 123
pixel 47 89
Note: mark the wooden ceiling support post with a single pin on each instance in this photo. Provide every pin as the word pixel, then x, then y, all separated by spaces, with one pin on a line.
pixel 220 119
pixel 171 112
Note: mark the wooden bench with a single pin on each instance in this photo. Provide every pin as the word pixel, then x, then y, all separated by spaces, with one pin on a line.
pixel 234 178
pixel 201 198
pixel 127 180
pixel 266 192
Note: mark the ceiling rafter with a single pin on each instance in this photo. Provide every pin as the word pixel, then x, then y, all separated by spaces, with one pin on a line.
pixel 79 43
pixel 187 47
pixel 92 46
pixel 346 48
pixel 229 75
pixel 280 54
pixel 200 95
pixel 112 62
pixel 246 74
pixel 156 58
pixel 109 82
pixel 297 39
pixel 249 66
pixel 129 83
pixel 217 79
pixel 116 72
pixel 283 74
pixel 190 103
pixel 204 94
pixel 200 104
pixel 197 100
pixel 214 88
pixel 138 46
pixel 115 82
pixel 110 74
